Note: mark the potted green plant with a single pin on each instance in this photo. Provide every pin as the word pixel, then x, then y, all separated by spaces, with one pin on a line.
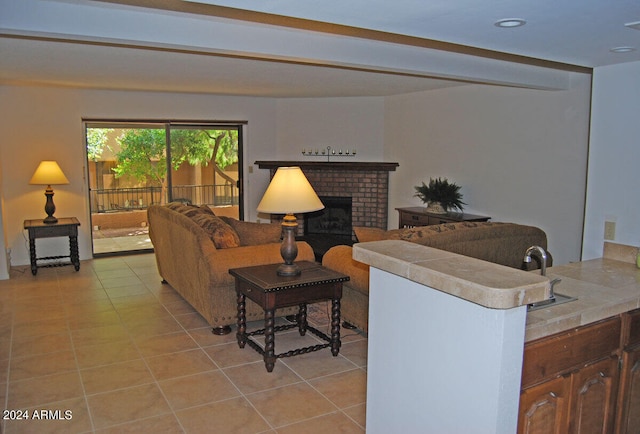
pixel 440 195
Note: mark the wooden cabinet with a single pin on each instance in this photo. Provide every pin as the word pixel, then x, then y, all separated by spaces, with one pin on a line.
pixel 570 381
pixel 579 402
pixel 593 397
pixel 586 380
pixel 544 408
pixel 417 216
pixel 628 420
pixel 629 412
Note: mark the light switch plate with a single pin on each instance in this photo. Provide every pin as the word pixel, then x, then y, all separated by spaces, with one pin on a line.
pixel 610 231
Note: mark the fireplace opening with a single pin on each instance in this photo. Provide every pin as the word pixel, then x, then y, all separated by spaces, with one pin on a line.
pixel 330 226
pixel 333 219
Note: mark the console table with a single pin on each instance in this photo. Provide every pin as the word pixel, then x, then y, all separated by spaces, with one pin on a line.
pixel 65 227
pixel 262 285
pixel 417 216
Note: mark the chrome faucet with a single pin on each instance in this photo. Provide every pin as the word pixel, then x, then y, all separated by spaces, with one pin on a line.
pixel 541 253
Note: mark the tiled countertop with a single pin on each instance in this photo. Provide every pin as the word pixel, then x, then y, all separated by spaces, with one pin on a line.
pixel 480 282
pixel 604 288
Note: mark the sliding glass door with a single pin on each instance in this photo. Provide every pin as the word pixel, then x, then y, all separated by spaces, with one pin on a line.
pixel 132 165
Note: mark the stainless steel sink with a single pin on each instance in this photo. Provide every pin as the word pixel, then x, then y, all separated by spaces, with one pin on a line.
pixel 554 301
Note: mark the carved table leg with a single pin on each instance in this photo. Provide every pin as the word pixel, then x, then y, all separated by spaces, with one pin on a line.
pixel 269 344
pixel 32 255
pixel 302 319
pixel 335 326
pixel 242 321
pixel 73 249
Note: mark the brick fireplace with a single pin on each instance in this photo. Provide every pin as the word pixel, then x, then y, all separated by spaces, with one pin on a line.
pixel 366 183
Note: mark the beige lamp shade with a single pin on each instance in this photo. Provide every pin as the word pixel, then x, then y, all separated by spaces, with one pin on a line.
pixel 288 193
pixel 48 173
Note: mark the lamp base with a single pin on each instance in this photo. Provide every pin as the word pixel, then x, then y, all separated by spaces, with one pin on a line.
pixel 289 248
pixel 50 220
pixel 288 270
pixel 49 207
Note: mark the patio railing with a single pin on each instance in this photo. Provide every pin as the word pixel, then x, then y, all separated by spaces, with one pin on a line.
pixel 128 199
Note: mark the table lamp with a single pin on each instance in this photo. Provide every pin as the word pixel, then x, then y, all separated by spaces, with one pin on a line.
pixel 288 193
pixel 49 173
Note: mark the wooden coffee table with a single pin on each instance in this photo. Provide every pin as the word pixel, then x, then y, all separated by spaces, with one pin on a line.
pixel 262 285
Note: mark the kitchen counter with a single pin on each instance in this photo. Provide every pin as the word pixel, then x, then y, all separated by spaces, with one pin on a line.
pixel 484 283
pixel 604 287
pixel 464 324
pixel 458 331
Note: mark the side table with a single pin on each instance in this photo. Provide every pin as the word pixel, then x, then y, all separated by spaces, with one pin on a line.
pixel 65 227
pixel 262 285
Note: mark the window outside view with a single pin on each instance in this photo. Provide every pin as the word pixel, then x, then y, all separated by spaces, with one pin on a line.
pixel 128 171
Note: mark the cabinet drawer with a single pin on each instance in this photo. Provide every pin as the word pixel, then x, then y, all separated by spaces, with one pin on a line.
pixel 633 324
pixel 439 220
pixel 54 231
pixel 415 220
pixel 554 355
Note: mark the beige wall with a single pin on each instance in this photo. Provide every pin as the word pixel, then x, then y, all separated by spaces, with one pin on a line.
pixel 613 158
pixel 520 155
pixel 342 123
pixel 46 123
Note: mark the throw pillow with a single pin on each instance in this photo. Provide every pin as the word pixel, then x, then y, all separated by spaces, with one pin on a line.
pixel 364 234
pixel 222 235
pixel 369 234
pixel 177 206
pixel 192 211
pixel 207 209
pixel 252 234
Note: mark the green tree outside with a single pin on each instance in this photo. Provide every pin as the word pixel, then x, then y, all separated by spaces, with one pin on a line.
pixel 96 142
pixel 141 152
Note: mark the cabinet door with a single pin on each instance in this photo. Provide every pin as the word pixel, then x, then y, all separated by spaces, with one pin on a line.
pixel 544 408
pixel 593 397
pixel 629 421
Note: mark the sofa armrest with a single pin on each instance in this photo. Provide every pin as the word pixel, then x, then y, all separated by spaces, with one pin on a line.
pixel 339 258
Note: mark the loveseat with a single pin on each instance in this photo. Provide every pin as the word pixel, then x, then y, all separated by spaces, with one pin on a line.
pixel 500 243
pixel 195 249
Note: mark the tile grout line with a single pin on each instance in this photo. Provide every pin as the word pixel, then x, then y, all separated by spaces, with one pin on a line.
pixel 173 310
pixel 241 394
pixel 75 357
pixel 143 357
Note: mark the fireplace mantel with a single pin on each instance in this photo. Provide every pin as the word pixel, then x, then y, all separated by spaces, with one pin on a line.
pixel 332 165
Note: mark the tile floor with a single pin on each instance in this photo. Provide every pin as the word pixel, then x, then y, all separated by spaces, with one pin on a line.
pixel 122 244
pixel 112 349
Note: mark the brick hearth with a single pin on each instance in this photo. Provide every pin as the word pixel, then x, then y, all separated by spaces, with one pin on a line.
pixel 365 182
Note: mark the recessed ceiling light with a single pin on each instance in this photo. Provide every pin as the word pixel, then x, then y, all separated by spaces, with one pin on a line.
pixel 622 49
pixel 510 22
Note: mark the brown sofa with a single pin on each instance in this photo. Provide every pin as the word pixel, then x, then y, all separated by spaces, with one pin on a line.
pixel 501 243
pixel 195 249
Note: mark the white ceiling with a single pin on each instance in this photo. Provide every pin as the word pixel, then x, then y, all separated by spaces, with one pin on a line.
pixel 578 32
pixel 188 46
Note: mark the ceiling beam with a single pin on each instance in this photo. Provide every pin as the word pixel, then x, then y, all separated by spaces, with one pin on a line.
pixel 188 7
